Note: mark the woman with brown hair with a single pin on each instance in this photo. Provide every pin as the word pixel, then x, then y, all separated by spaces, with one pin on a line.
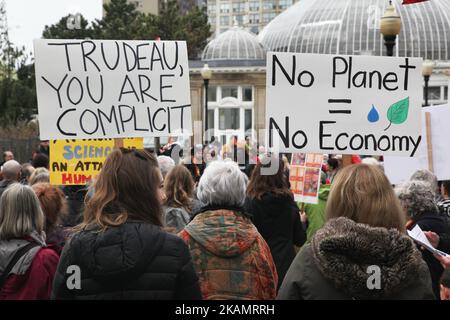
pixel 179 202
pixel 274 212
pixel 120 248
pixel 362 252
pixel 53 204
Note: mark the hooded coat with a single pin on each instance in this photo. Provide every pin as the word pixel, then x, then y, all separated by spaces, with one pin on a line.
pixel 135 260
pixel 277 219
pixel 344 260
pixel 231 258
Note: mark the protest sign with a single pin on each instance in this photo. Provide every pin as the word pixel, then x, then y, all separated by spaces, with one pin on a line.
pixel 304 176
pixel 77 162
pixel 343 104
pixel 400 169
pixel 112 89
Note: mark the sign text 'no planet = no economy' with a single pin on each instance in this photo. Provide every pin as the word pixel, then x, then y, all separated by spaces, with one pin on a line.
pixel 343 104
pixel 113 89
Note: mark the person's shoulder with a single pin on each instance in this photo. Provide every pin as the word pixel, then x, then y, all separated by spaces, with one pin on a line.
pixel 174 246
pixel 432 221
pixel 173 210
pixel 47 252
pixel 46 258
pixel 173 239
pixel 305 254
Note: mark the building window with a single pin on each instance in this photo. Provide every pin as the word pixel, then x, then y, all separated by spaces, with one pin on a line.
pixel 235 114
pixel 255 29
pixel 445 93
pixel 239 19
pixel 434 93
pixel 254 18
pixel 268 16
pixel 212 9
pixel 238 7
pixel 225 20
pixel 247 94
pixel 269 5
pixel 212 94
pixel 224 8
pixel 253 5
pixel 212 20
pixel 210 118
pixel 248 119
pixel 229 118
pixel 283 4
pixel 229 92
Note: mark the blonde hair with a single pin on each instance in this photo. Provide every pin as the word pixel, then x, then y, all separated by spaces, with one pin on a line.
pixel 363 194
pixel 20 212
pixel 40 175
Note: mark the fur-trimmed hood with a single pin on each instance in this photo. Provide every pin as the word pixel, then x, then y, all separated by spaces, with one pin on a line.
pixel 343 250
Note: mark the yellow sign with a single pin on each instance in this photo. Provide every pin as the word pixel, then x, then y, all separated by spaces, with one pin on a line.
pixel 77 162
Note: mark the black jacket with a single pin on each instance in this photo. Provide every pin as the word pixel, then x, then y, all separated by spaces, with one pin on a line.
pixel 75 201
pixel 434 222
pixel 278 221
pixel 344 260
pixel 133 261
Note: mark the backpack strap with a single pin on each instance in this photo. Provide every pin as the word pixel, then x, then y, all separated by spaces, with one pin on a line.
pixel 19 254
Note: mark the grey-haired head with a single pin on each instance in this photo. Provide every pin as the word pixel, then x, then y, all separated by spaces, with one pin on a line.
pixel 222 184
pixel 427 177
pixel 165 164
pixel 416 197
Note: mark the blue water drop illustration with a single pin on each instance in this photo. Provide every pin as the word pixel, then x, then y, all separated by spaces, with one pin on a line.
pixel 373 115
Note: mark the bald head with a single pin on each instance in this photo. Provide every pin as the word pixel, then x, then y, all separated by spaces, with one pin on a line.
pixel 11 170
pixel 8 155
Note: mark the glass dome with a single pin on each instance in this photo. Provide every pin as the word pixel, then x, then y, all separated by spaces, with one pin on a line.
pixel 234 44
pixel 352 27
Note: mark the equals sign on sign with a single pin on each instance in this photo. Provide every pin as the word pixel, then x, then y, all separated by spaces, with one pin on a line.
pixel 340 101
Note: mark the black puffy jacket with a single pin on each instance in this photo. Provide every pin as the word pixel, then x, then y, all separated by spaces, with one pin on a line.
pixel 133 261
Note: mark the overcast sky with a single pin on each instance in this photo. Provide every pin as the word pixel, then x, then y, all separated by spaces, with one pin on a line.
pixel 27 18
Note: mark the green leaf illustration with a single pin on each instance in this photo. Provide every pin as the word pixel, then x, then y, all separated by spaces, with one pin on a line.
pixel 398 112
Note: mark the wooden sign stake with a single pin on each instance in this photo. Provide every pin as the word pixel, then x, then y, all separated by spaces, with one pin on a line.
pixel 118 143
pixel 429 141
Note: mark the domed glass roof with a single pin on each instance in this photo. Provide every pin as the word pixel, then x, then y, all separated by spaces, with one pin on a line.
pixel 234 44
pixel 352 27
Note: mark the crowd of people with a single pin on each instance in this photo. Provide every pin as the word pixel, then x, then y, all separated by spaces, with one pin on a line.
pixel 153 227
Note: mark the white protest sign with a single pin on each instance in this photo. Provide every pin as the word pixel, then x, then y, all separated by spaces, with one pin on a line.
pixel 112 89
pixel 343 104
pixel 400 169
